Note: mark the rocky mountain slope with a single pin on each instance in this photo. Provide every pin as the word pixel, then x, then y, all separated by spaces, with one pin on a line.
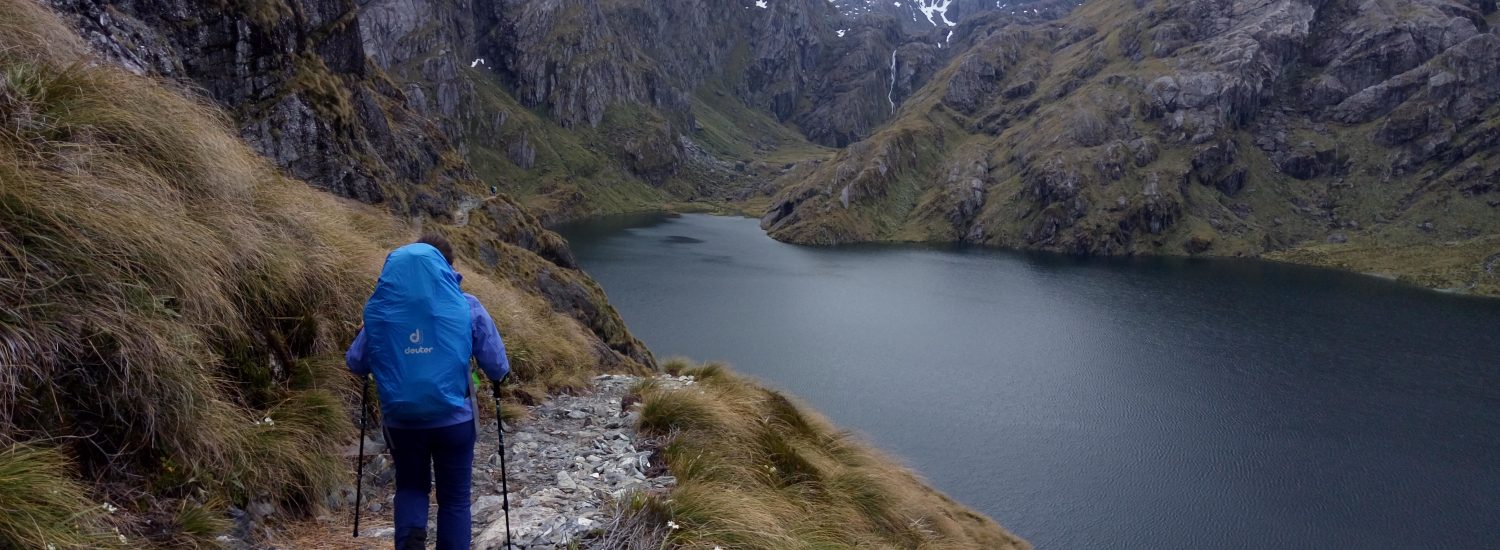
pixel 295 75
pixel 604 106
pixel 1322 131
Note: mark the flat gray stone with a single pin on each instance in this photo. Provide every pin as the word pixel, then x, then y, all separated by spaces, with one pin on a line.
pixel 565 482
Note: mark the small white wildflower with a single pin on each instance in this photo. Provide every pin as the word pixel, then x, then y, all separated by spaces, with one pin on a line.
pixel 109 508
pixel 51 546
pixel 673 525
pixel 122 539
pixel 269 422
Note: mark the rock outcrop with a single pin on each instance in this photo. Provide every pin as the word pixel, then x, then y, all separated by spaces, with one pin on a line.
pixel 299 85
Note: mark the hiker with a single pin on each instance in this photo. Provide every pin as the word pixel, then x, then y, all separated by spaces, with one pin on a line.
pixel 420 331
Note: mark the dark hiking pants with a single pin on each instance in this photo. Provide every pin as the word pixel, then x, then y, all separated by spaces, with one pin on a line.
pixel 422 456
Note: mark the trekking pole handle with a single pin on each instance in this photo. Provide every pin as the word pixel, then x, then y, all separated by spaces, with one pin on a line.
pixel 495 387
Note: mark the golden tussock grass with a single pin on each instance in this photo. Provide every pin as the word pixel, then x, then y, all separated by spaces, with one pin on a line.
pixel 41 503
pixel 756 470
pixel 1470 266
pixel 547 351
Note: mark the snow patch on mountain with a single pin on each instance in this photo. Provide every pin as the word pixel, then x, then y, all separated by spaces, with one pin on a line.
pixel 939 7
pixel 918 16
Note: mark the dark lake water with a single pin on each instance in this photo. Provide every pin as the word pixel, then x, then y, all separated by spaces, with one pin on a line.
pixel 1089 403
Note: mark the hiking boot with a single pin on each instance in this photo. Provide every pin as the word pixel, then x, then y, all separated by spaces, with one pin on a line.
pixel 414 538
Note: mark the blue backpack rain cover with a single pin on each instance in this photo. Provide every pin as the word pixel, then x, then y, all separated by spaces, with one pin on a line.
pixel 418 338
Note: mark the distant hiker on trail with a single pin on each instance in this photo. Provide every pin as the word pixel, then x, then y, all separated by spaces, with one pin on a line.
pixel 420 331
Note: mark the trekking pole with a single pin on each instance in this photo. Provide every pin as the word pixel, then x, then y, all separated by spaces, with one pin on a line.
pixel 504 490
pixel 359 476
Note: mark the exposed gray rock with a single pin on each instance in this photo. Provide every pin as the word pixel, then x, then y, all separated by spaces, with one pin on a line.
pixel 299 85
pixel 565 482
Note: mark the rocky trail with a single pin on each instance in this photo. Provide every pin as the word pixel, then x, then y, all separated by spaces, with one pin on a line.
pixel 568 461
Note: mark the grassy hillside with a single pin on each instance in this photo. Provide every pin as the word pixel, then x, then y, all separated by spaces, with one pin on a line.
pixel 566 173
pixel 633 161
pixel 173 310
pixel 757 471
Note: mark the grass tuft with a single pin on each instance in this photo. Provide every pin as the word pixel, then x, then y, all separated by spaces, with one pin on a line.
pixel 41 506
pixel 198 525
pixel 661 416
pixel 706 371
pixel 676 365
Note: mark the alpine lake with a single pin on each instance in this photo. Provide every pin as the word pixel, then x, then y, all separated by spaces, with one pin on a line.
pixel 1133 403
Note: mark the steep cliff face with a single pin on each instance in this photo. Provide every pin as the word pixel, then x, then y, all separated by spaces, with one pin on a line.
pixel 586 107
pixel 552 100
pixel 296 76
pixel 1185 127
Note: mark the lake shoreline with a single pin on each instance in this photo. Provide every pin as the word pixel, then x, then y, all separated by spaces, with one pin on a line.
pixel 1310 255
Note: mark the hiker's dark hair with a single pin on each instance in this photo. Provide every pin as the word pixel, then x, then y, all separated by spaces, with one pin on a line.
pixel 439 242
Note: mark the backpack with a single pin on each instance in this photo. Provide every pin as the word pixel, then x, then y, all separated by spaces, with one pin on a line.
pixel 419 338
